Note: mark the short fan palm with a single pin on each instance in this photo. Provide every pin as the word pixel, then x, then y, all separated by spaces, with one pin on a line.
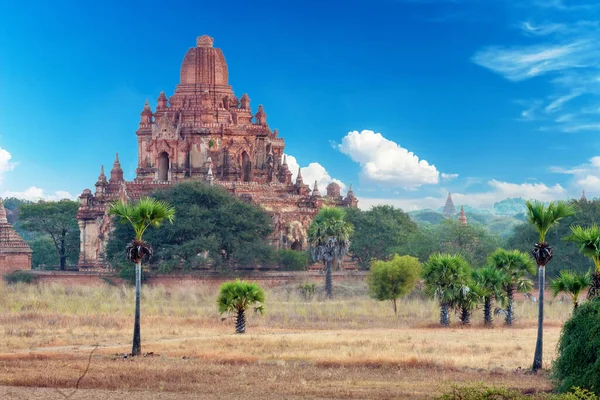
pixel 329 239
pixel 492 283
pixel 236 297
pixel 571 283
pixel 515 265
pixel 145 213
pixel 445 276
pixel 588 240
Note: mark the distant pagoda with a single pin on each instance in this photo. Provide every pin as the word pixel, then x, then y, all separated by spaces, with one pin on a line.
pixel 462 218
pixel 449 209
pixel 583 198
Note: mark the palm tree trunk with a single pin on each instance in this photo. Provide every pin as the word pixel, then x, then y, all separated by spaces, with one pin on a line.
pixel 395 306
pixel 510 307
pixel 537 358
pixel 487 311
pixel 445 314
pixel 594 291
pixel 465 316
pixel 137 341
pixel 240 322
pixel 328 283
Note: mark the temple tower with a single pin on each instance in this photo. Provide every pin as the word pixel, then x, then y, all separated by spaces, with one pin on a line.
pixel 462 218
pixel 449 209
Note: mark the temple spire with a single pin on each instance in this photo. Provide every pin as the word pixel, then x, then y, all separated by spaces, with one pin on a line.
pixel 583 198
pixel 462 218
pixel 3 219
pixel 449 208
pixel 299 180
pixel 116 173
pixel 315 192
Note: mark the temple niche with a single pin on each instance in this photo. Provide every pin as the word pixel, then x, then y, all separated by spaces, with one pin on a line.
pixel 204 132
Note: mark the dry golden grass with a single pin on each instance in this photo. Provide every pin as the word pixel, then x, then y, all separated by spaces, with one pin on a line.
pixel 352 347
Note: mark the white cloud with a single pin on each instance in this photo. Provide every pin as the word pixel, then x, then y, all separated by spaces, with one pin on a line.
pixel 449 177
pixel 385 162
pixel 5 163
pixel 34 194
pixel 486 199
pixel 585 176
pixel 558 103
pixel 541 29
pixel 311 173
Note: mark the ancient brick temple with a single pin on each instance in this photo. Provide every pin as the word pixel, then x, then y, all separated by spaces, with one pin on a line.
pixel 204 132
pixel 15 254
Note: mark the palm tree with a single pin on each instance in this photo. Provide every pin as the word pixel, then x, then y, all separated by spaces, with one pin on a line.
pixel 329 240
pixel 491 282
pixel 145 213
pixel 572 284
pixel 237 297
pixel 467 299
pixel 445 276
pixel 543 218
pixel 588 240
pixel 515 265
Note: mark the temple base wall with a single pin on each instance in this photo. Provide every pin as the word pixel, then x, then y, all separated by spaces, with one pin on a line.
pixel 10 262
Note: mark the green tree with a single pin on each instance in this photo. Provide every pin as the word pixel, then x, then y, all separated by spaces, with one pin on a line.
pixel 236 297
pixel 515 265
pixel 329 239
pixel 44 252
pixel 467 299
pixel 588 241
pixel 491 281
pixel 445 275
pixel 543 218
pixel 57 220
pixel 571 283
pixel 145 213
pixel 212 228
pixel 578 361
pixel 389 280
pixel 377 232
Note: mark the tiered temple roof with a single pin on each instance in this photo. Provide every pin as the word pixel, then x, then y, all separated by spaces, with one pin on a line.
pixel 449 208
pixel 15 254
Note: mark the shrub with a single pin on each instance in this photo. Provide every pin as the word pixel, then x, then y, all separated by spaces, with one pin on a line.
pixel 19 276
pixel 291 260
pixel 499 393
pixel 392 279
pixel 308 290
pixel 578 361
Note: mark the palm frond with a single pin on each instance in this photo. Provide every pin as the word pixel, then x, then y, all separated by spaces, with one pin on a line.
pixel 543 217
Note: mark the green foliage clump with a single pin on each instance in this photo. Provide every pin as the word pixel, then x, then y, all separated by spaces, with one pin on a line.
pixel 578 361
pixel 389 280
pixel 377 232
pixel 237 297
pixel 19 277
pixel 500 393
pixel 212 228
pixel 307 290
pixel 291 260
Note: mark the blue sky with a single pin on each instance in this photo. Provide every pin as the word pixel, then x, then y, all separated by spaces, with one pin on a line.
pixel 405 99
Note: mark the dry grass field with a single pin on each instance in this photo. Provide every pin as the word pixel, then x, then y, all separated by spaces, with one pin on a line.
pixel 348 348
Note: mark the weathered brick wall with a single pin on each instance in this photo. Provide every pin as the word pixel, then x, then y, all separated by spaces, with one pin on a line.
pixel 10 262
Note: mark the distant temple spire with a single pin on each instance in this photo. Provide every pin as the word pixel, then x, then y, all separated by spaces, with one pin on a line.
pixel 116 173
pixel 315 192
pixel 462 218
pixel 583 198
pixel 449 209
pixel 299 180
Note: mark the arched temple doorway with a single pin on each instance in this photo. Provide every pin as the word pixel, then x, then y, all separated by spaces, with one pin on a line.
pixel 163 167
pixel 246 167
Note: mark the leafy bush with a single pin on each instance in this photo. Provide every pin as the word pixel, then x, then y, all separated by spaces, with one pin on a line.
pixel 291 260
pixel 578 362
pixel 392 279
pixel 308 290
pixel 496 393
pixel 19 276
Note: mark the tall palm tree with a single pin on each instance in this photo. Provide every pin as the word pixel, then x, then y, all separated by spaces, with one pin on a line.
pixel 571 283
pixel 588 240
pixel 543 218
pixel 515 265
pixel 145 213
pixel 329 240
pixel 492 283
pixel 445 276
pixel 237 297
